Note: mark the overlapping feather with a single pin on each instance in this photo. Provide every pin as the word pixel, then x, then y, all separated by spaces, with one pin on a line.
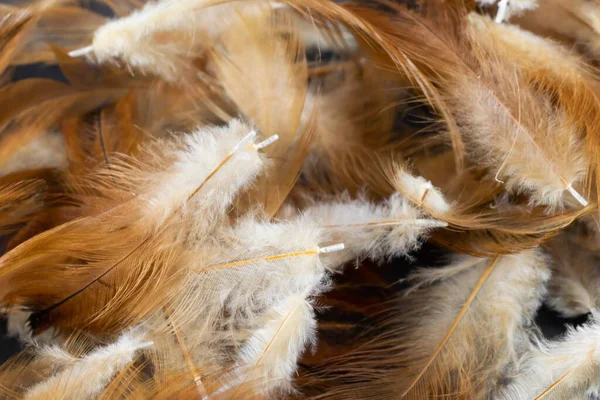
pixel 178 256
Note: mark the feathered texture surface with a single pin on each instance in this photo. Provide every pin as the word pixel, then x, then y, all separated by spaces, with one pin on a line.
pixel 564 369
pixel 227 199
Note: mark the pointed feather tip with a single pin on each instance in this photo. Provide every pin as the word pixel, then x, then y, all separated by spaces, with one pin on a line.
pixel 268 141
pixel 502 9
pixel 331 249
pixel 81 52
pixel 580 199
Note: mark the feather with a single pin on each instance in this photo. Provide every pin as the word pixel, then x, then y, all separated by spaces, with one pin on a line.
pixel 19 201
pixel 510 313
pixel 170 224
pixel 238 296
pixel 66 25
pixel 415 382
pixel 536 148
pixel 420 191
pixel 43 152
pixel 17 29
pixel 486 229
pixel 76 382
pixel 267 82
pixel 14 29
pixel 249 256
pixel 121 233
pixel 180 31
pixel 375 231
pixel 573 22
pixel 392 44
pixel 94 138
pixel 567 368
pixel 496 92
pixel 20 124
pixel 353 124
pixel 411 356
pixel 574 288
pixel 271 354
pixel 568 79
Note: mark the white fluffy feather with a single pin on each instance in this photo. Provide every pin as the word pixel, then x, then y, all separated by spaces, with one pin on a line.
pixel 269 357
pixel 212 164
pixel 191 25
pixel 370 230
pixel 572 365
pixel 87 377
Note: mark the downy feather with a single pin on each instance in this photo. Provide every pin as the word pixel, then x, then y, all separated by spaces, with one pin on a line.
pixel 163 35
pixel 562 369
pixel 488 305
pixel 89 375
pixel 515 130
pixel 557 71
pixel 574 288
pixel 268 358
pixel 378 231
pixel 121 230
pixel 472 364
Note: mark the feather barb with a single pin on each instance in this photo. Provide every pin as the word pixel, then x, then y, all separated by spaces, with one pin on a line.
pixel 318 250
pixel 486 273
pixel 551 387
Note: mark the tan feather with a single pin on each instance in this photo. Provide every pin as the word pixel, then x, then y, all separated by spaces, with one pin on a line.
pixel 109 238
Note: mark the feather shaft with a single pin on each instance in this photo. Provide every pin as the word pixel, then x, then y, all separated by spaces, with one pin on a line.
pixel 486 273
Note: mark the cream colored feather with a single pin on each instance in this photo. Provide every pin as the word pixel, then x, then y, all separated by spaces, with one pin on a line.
pixel 564 369
pixel 85 378
pixel 161 36
pixel 484 349
pixel 369 230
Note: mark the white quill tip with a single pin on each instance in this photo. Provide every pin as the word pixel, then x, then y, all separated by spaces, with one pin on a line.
pixel 576 195
pixel 268 141
pixel 431 223
pixel 81 52
pixel 502 9
pixel 331 249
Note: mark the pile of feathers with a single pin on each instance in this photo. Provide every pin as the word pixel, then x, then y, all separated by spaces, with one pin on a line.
pixel 311 199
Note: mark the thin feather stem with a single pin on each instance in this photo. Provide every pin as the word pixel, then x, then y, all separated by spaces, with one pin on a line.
pixel 228 157
pixel 430 223
pixel 486 273
pixel 188 358
pixel 551 387
pixel 276 257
